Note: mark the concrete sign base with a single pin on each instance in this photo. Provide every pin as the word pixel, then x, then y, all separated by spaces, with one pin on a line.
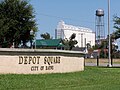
pixel 40 64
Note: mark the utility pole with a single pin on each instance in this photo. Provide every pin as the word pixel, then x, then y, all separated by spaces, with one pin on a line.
pixel 109 54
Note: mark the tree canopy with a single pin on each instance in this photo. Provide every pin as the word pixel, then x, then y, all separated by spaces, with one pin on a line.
pixel 46 36
pixel 116 34
pixel 17 19
pixel 70 43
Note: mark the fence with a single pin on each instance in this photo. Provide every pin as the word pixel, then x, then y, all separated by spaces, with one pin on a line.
pixel 101 62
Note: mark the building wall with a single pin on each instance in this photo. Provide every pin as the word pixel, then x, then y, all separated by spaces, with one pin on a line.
pixel 83 35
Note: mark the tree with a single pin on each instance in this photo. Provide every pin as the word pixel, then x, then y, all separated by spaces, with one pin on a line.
pixel 88 46
pixel 16 22
pixel 117 27
pixel 46 36
pixel 71 42
pixel 72 36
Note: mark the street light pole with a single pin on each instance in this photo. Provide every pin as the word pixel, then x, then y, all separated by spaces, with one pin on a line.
pixel 35 40
pixel 32 33
pixel 109 54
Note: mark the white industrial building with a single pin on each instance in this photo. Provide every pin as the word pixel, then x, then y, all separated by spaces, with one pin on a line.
pixel 83 35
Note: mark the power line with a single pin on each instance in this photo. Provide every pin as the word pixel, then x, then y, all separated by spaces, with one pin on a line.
pixel 53 16
pixel 58 17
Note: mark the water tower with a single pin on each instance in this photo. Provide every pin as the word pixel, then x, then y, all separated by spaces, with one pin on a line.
pixel 99 26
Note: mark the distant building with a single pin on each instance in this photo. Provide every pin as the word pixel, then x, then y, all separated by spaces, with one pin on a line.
pixel 83 35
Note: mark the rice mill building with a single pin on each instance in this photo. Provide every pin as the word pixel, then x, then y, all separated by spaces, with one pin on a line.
pixel 83 35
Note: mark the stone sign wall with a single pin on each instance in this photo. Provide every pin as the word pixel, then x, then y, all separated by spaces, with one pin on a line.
pixel 40 64
pixel 36 64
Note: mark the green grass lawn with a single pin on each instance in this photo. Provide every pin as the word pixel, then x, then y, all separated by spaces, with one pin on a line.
pixel 93 78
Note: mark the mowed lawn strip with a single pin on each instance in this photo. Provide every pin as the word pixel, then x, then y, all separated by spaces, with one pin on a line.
pixel 92 78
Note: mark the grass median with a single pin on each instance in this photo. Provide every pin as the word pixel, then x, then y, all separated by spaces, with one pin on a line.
pixel 92 78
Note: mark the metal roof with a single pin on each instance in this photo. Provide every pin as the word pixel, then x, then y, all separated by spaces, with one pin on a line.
pixel 48 42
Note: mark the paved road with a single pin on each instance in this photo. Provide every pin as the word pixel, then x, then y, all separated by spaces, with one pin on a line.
pixel 101 64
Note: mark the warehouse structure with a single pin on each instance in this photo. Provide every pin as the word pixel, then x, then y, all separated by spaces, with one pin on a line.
pixel 84 35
